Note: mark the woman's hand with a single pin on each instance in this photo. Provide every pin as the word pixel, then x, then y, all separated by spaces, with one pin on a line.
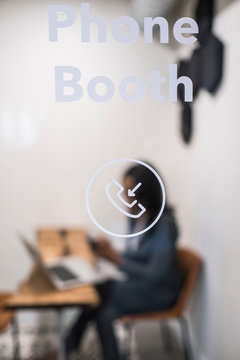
pixel 103 248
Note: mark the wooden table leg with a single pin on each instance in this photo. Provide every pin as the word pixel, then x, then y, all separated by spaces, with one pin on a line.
pixel 15 335
pixel 61 347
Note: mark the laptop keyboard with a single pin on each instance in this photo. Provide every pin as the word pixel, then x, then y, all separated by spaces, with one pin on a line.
pixel 62 273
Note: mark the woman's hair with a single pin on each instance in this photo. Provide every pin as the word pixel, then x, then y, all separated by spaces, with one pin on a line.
pixel 150 193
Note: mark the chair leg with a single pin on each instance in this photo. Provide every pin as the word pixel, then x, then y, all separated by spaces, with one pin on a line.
pixel 187 346
pixel 166 336
pixel 127 352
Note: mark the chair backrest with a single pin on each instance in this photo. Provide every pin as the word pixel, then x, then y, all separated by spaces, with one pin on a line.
pixel 53 243
pixel 190 264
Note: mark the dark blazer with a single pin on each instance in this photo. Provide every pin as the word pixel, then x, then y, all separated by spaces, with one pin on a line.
pixel 154 280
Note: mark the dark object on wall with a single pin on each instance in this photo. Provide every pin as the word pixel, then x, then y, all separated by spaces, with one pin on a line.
pixel 205 66
pixel 212 64
pixel 186 124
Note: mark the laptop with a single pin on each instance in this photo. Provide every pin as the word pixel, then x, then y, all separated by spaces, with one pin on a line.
pixel 71 271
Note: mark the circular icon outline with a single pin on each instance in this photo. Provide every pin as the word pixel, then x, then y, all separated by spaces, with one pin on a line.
pixel 109 163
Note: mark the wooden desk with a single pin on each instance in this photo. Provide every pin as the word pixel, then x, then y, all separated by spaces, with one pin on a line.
pixel 38 293
pixel 85 295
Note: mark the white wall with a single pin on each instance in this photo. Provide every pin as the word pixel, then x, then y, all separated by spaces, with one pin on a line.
pixel 217 208
pixel 49 151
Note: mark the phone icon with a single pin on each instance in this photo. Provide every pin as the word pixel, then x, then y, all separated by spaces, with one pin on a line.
pixel 131 193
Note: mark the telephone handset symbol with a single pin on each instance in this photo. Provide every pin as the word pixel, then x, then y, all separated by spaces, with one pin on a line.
pixel 131 193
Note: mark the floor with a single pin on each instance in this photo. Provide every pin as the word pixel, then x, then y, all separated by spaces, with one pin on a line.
pixel 146 342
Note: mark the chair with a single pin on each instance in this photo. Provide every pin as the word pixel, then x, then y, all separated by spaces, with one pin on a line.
pixel 190 264
pixel 6 317
pixel 56 242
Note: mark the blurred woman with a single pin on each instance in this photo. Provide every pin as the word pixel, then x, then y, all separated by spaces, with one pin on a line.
pixel 153 280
